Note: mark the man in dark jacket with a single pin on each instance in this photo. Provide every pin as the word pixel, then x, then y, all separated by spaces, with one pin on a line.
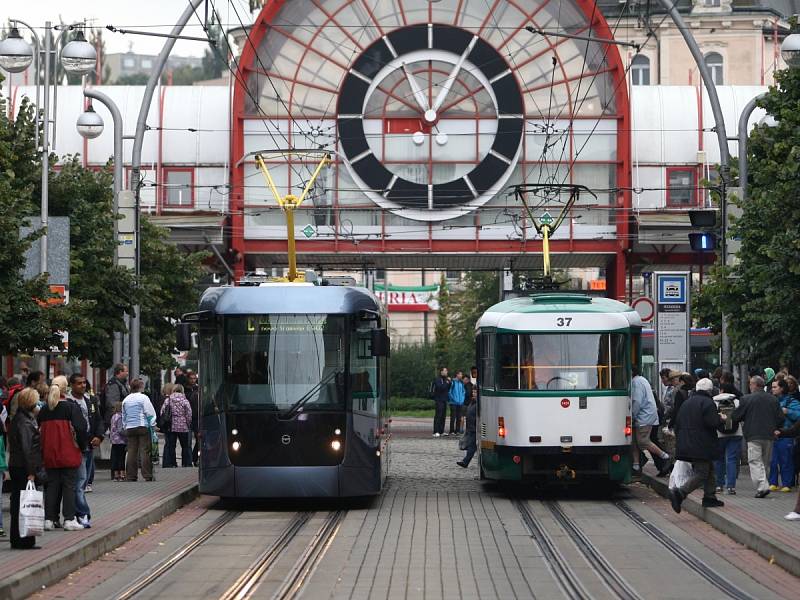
pixel 471 433
pixel 441 389
pixel 115 391
pixel 762 415
pixel 95 429
pixel 696 430
pixel 192 393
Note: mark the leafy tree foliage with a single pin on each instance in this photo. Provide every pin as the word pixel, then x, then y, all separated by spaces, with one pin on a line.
pixel 104 290
pixel 132 79
pixel 760 292
pixel 412 369
pixel 442 330
pixel 26 323
pixel 168 289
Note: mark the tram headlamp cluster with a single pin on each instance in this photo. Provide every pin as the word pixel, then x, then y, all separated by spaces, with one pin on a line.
pixel 236 445
pixel 336 445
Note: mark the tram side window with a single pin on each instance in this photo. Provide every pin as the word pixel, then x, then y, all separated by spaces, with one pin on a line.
pixel 508 361
pixel 364 373
pixel 212 373
pixel 487 361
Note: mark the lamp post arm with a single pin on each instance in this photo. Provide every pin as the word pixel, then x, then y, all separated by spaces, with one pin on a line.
pixel 116 117
pixel 743 120
pixel 136 163
pixel 37 43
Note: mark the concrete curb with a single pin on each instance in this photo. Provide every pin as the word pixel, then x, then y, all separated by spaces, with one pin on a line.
pixel 754 540
pixel 54 568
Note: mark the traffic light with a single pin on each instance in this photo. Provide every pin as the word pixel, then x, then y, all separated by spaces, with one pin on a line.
pixel 704 241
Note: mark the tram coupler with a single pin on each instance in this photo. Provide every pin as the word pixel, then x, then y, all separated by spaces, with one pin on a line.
pixel 564 472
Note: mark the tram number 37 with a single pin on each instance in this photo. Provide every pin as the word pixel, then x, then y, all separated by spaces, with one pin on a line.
pixel 563 321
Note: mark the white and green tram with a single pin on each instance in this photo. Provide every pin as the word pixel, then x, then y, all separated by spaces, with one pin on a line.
pixel 554 388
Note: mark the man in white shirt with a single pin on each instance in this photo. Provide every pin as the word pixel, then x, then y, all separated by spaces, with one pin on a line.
pixel 138 416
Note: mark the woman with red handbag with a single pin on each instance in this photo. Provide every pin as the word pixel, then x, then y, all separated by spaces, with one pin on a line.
pixel 63 433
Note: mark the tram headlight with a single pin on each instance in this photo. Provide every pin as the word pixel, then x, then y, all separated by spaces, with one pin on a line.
pixel 236 445
pixel 337 431
pixel 234 432
pixel 336 445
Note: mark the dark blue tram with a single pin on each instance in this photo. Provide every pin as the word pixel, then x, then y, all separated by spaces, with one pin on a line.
pixel 293 400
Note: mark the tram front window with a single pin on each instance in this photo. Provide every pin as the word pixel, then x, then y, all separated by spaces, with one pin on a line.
pixel 575 361
pixel 284 362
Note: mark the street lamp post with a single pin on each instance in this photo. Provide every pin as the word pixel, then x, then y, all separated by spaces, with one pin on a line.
pixel 16 55
pixel 90 125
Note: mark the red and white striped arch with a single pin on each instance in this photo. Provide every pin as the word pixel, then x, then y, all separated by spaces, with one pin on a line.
pixel 571 86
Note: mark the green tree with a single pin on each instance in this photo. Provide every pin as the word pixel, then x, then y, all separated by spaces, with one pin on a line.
pixel 132 79
pixel 26 322
pixel 442 330
pixel 105 291
pixel 168 289
pixel 759 293
pixel 184 75
pixel 213 57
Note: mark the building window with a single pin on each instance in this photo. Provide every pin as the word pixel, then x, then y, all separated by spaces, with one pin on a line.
pixel 711 3
pixel 129 63
pixel 681 186
pixel 714 65
pixel 380 274
pixel 640 70
pixel 178 188
pixel 147 63
pixel 452 275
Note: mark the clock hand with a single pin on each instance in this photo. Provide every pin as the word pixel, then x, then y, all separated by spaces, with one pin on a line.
pixel 419 95
pixel 448 83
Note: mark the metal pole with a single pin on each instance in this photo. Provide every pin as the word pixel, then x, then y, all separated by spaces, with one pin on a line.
pixel 136 164
pixel 744 118
pixel 45 147
pixel 116 117
pixel 724 153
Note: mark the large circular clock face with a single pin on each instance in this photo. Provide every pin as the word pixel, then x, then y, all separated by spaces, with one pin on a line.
pixel 430 121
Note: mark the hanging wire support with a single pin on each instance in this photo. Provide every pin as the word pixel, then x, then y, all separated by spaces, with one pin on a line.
pixel 162 35
pixel 586 38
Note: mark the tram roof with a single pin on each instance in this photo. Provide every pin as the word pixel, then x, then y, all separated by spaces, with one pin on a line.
pixel 288 299
pixel 532 313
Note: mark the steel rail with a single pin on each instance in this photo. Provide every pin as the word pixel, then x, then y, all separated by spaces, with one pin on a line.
pixel 685 556
pixel 607 573
pixel 307 563
pixel 559 566
pixel 171 561
pixel 246 584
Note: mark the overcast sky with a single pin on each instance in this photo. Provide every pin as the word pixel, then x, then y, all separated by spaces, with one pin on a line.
pixel 151 15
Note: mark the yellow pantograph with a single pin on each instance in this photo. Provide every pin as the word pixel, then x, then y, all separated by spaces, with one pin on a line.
pixel 288 204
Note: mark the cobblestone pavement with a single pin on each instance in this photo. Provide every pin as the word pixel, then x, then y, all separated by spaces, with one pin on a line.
pixel 439 532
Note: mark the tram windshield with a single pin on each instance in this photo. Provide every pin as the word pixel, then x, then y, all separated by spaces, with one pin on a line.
pixel 571 361
pixel 284 362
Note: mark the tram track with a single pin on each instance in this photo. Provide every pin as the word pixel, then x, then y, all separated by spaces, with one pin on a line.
pixel 599 564
pixel 173 559
pixel 685 556
pixel 563 573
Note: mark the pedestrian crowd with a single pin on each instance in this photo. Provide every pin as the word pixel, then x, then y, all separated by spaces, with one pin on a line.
pixel 705 422
pixel 49 433
pixel 460 393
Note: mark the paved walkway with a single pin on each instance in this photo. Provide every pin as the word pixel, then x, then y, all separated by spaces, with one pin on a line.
pixel 119 510
pixel 758 523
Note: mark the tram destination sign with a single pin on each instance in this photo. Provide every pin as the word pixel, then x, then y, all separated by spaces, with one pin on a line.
pixel 672 320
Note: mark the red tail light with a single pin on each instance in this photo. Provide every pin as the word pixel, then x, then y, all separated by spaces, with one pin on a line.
pixel 501 427
pixel 517 459
pixel 615 458
pixel 628 428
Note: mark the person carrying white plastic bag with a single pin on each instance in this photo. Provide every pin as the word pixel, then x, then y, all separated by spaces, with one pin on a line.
pixel 31 511
pixel 681 473
pixel 25 463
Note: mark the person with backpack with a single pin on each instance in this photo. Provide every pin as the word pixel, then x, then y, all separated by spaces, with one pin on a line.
pixel 455 397
pixel 726 466
pixel 441 386
pixel 176 423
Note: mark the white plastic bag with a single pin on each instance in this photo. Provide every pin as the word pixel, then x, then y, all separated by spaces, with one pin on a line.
pixel 681 473
pixel 31 511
